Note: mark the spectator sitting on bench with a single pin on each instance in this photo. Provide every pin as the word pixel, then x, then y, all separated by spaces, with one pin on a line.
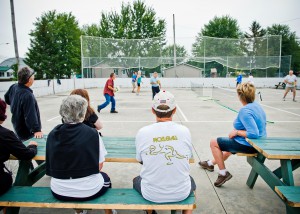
pixel 250 123
pixel 164 148
pixel 10 144
pixel 75 154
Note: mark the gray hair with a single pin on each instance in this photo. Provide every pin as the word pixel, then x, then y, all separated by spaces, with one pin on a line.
pixel 73 109
pixel 24 75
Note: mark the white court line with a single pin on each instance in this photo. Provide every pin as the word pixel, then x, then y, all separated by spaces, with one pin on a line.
pixel 53 118
pixel 184 117
pixel 280 110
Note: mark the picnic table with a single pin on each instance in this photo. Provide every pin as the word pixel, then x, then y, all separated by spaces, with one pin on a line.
pixel 287 150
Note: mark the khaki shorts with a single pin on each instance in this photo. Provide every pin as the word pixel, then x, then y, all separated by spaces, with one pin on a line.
pixel 133 84
pixel 287 88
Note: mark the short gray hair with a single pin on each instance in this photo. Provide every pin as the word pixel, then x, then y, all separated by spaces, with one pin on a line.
pixel 73 109
pixel 24 75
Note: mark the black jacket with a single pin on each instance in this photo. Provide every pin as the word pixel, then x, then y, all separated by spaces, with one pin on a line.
pixel 25 111
pixel 72 151
pixel 10 144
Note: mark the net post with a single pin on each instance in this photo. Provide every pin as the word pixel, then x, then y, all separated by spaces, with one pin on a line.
pixel 280 54
pixel 81 57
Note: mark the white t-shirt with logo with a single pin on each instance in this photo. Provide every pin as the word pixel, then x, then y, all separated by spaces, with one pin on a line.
pixel 165 149
pixel 292 79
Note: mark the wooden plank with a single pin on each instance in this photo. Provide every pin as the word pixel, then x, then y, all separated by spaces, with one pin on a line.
pixel 247 155
pixel 289 194
pixel 276 154
pixel 112 199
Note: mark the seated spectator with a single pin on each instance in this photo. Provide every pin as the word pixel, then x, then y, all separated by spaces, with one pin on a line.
pixel 164 148
pixel 75 154
pixel 91 119
pixel 250 123
pixel 10 144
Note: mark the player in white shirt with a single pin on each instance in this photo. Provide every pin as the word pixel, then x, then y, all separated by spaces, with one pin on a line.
pixel 291 84
pixel 164 148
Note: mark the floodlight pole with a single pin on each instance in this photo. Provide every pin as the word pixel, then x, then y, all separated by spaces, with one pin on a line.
pixel 81 57
pixel 267 55
pixel 174 44
pixel 280 55
pixel 13 22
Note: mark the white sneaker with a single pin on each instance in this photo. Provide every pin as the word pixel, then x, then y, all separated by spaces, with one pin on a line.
pixel 283 99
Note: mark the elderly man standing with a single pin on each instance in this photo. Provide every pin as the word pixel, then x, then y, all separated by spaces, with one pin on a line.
pixel 164 148
pixel 155 84
pixel 24 108
pixel 291 85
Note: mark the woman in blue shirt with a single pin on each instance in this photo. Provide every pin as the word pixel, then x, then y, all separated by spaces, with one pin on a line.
pixel 250 123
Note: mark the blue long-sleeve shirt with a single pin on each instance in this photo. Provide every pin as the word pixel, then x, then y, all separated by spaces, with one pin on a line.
pixel 252 119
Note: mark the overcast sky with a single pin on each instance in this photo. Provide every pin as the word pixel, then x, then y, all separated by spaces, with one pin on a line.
pixel 190 16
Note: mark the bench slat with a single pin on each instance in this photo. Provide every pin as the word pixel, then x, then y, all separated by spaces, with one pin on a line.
pixel 290 194
pixel 113 199
pixel 247 155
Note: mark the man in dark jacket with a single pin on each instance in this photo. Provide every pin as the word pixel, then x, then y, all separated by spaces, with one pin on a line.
pixel 24 108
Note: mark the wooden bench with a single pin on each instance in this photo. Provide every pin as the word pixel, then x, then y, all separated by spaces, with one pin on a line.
pixel 247 155
pixel 280 84
pixel 289 194
pixel 122 199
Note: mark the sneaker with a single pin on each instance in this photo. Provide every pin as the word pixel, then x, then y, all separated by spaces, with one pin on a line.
pixel 98 109
pixel 222 179
pixel 114 211
pixel 283 99
pixel 113 111
pixel 294 100
pixel 205 165
pixel 82 212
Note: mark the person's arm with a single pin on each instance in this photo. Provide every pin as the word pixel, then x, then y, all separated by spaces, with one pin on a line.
pixel 110 84
pixel 98 124
pixel 250 125
pixel 6 95
pixel 31 116
pixel 137 146
pixel 18 149
pixel 94 119
pixel 102 153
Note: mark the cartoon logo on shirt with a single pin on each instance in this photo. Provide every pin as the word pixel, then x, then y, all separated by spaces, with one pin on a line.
pixel 168 151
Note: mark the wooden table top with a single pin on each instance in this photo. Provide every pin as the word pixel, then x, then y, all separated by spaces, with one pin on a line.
pixel 277 147
pixel 119 149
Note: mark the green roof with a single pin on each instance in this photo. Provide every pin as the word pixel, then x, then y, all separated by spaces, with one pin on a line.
pixel 4 68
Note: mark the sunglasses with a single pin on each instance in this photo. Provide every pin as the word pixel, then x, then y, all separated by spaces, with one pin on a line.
pixel 31 75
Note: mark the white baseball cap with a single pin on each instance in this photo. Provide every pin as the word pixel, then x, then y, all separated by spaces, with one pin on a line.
pixel 164 98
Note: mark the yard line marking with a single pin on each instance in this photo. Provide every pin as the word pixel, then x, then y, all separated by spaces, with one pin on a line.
pixel 280 110
pixel 184 117
pixel 53 118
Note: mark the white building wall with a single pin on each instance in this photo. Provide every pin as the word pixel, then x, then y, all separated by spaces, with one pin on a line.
pixel 41 88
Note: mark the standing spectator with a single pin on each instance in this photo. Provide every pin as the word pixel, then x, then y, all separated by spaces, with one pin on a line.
pixel 24 108
pixel 164 148
pixel 239 79
pixel 291 85
pixel 91 119
pixel 133 81
pixel 75 154
pixel 250 123
pixel 139 81
pixel 10 144
pixel 109 94
pixel 251 79
pixel 154 81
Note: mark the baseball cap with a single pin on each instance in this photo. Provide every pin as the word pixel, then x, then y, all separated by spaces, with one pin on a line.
pixel 164 98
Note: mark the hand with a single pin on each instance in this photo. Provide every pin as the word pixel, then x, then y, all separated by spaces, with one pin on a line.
pixel 233 133
pixel 115 90
pixel 33 143
pixel 38 134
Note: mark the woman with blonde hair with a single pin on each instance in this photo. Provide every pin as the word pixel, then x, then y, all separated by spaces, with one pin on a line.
pixel 139 81
pixel 91 119
pixel 250 123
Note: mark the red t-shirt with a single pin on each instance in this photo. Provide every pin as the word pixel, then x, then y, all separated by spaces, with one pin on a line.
pixel 106 90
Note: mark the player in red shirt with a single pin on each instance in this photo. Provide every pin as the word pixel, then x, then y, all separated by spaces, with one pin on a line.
pixel 109 94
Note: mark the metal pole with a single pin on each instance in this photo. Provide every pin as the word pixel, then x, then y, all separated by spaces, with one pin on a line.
pixel 13 22
pixel 139 63
pixel 81 57
pixel 227 68
pixel 88 71
pixel 204 56
pixel 174 40
pixel 267 55
pixel 280 54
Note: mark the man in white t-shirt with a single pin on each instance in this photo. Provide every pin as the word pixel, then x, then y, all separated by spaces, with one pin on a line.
pixel 291 84
pixel 164 148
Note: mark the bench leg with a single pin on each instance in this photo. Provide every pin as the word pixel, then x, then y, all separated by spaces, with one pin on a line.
pixel 292 210
pixel 287 172
pixel 295 165
pixel 253 174
pixel 173 211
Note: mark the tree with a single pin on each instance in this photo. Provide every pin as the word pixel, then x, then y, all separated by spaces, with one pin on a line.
pixel 168 51
pixel 289 45
pixel 255 30
pixel 135 21
pixel 55 45
pixel 220 27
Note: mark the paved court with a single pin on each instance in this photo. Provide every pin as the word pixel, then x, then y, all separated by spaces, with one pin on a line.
pixel 206 118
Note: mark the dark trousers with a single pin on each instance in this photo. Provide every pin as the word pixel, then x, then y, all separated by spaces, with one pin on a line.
pixel 106 186
pixel 6 181
pixel 155 90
